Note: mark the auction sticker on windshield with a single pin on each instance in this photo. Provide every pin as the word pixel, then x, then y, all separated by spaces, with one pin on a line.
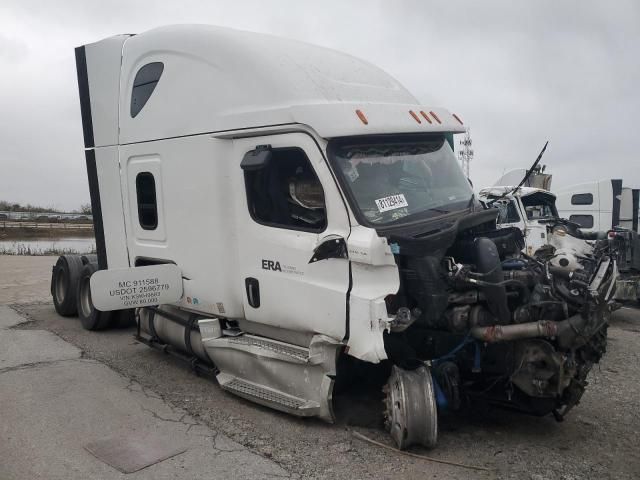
pixel 391 202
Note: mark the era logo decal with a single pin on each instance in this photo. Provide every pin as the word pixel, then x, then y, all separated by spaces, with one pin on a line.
pixel 271 265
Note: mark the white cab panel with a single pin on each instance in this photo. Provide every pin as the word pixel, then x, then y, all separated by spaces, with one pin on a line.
pixel 600 209
pixel 196 199
pixel 294 294
pixel 132 166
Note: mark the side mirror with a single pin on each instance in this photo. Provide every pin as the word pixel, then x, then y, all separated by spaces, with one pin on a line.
pixel 332 246
pixel 256 159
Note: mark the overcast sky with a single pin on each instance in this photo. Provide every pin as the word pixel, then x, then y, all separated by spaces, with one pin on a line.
pixel 518 73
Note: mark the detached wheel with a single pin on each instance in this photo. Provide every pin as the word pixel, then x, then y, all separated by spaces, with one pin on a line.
pixel 90 318
pixel 411 413
pixel 64 284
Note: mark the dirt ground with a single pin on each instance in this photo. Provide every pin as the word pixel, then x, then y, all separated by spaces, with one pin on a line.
pixel 31 231
pixel 599 439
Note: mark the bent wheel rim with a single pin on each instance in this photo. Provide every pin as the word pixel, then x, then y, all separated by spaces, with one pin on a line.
pixel 411 411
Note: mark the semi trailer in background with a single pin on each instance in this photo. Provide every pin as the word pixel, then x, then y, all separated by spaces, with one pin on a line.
pixel 289 218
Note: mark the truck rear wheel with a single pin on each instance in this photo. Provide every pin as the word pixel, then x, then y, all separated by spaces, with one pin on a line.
pixel 90 318
pixel 123 318
pixel 64 283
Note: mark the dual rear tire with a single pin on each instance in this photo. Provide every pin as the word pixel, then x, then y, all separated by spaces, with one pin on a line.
pixel 90 317
pixel 71 293
pixel 64 281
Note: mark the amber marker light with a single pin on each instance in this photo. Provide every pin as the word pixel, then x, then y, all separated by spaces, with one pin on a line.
pixel 425 116
pixel 435 116
pixel 457 118
pixel 415 117
pixel 362 118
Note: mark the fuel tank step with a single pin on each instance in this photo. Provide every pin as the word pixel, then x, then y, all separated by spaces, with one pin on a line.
pixel 268 396
pixel 289 352
pixel 276 374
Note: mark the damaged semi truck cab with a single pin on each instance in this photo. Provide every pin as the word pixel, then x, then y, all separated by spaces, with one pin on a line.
pixel 279 213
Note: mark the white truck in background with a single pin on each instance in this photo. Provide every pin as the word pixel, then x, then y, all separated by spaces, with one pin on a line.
pixel 599 205
pixel 287 218
pixel 580 213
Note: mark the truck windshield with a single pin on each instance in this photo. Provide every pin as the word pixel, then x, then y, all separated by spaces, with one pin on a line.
pixel 539 205
pixel 400 180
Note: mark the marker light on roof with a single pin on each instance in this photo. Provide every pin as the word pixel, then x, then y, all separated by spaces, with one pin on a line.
pixel 415 117
pixel 425 116
pixel 457 118
pixel 435 116
pixel 362 118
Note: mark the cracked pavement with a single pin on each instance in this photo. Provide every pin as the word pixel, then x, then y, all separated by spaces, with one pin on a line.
pixel 54 401
pixel 597 440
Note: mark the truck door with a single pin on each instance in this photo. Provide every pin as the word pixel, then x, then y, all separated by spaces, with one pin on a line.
pixel 290 205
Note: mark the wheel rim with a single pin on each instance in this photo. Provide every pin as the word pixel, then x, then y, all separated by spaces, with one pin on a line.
pixel 86 305
pixel 411 412
pixel 61 285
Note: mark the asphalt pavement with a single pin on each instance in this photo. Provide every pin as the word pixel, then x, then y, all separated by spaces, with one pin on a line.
pixel 54 402
pixel 62 388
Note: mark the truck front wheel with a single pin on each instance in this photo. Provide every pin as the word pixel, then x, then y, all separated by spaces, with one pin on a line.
pixel 90 318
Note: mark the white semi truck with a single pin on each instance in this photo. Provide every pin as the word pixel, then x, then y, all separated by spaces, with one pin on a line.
pixel 284 216
pixel 600 205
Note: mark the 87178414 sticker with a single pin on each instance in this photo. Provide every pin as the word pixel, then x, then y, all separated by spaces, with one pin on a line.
pixel 391 202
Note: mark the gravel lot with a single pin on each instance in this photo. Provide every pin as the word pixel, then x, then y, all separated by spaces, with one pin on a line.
pixel 599 439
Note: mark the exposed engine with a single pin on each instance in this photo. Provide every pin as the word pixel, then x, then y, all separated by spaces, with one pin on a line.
pixel 493 324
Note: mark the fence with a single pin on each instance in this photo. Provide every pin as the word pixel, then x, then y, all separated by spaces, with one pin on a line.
pixel 45 225
pixel 44 216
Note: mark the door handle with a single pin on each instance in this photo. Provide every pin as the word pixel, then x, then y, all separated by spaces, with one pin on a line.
pixel 253 291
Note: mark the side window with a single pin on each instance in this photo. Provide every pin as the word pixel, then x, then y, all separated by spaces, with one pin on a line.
pixel 144 84
pixel 585 221
pixel 508 212
pixel 285 192
pixel 582 199
pixel 147 204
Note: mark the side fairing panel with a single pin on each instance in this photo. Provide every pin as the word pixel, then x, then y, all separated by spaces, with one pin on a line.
pixel 108 175
pixel 627 208
pixel 102 69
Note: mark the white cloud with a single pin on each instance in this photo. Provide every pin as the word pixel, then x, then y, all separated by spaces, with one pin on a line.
pixel 518 73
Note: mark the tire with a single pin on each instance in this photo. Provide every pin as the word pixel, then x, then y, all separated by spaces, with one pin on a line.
pixel 123 318
pixel 89 258
pixel 90 318
pixel 64 284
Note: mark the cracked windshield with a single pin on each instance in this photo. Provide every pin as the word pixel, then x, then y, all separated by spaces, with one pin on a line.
pixel 398 181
